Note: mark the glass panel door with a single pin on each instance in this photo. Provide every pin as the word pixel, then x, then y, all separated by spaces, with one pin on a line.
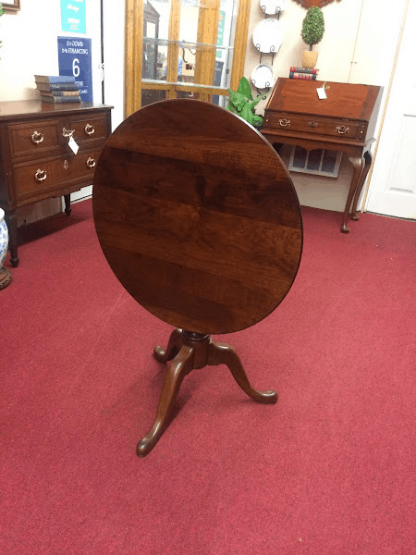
pixel 186 49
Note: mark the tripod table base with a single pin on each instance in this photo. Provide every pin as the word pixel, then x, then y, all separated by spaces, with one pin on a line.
pixel 189 351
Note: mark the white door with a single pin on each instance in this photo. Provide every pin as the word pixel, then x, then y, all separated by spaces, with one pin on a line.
pixel 393 183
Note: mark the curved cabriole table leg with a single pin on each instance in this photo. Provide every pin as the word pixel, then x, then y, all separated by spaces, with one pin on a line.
pixel 222 353
pixel 179 368
pixel 173 348
pixel 358 165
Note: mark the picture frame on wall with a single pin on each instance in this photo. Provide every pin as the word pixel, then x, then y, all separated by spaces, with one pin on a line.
pixel 11 6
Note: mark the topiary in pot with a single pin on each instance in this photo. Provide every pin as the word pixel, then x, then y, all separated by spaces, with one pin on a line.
pixel 313 28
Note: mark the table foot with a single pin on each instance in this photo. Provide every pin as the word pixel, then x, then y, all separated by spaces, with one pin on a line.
pixel 345 229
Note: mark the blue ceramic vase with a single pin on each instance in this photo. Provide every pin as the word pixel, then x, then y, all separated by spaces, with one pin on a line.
pixel 5 274
pixel 4 238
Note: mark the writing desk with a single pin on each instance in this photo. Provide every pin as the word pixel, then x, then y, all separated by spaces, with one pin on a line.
pixel 344 121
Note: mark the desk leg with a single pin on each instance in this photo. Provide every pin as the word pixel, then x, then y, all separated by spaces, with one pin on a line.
pixel 11 218
pixel 358 165
pixel 277 147
pixel 68 208
pixel 368 160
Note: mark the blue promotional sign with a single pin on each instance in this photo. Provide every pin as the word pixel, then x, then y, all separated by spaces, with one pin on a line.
pixel 74 57
pixel 73 16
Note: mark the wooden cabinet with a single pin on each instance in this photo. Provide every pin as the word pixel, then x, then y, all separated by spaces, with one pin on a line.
pixel 36 160
pixel 344 121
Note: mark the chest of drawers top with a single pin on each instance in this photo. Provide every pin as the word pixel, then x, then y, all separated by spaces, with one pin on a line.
pixel 349 111
pixel 36 109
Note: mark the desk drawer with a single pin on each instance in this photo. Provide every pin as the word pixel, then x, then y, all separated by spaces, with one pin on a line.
pixel 34 138
pixel 89 129
pixel 49 174
pixel 286 121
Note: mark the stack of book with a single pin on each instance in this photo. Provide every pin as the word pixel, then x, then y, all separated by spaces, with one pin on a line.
pixel 303 73
pixel 57 89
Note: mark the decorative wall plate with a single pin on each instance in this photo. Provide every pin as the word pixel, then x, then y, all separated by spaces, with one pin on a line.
pixel 273 7
pixel 268 35
pixel 262 76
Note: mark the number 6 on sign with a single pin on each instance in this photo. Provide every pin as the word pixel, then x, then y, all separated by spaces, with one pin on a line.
pixel 75 67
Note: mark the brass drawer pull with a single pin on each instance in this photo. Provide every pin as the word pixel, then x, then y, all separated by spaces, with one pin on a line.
pixel 67 133
pixel 91 162
pixel 284 122
pixel 41 175
pixel 313 124
pixel 89 129
pixel 342 129
pixel 66 164
pixel 36 137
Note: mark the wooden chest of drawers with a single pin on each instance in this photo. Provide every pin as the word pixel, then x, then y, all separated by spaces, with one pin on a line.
pixel 36 160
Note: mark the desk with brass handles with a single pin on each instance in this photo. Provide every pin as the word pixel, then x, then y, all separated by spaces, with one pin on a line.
pixel 344 121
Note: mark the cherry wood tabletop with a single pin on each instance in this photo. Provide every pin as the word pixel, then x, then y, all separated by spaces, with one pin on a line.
pixel 197 216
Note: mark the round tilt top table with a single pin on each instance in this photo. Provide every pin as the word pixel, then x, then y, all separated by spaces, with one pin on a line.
pixel 199 221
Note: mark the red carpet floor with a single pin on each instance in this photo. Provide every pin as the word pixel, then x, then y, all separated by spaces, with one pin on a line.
pixel 329 470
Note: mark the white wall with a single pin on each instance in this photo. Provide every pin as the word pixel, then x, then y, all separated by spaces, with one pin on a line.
pixel 30 47
pixel 358 46
pixel 114 43
pixel 361 31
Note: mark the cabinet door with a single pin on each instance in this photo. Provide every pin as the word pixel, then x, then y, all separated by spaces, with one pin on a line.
pixel 393 183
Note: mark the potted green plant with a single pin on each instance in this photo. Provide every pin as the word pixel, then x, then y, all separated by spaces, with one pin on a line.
pixel 313 28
